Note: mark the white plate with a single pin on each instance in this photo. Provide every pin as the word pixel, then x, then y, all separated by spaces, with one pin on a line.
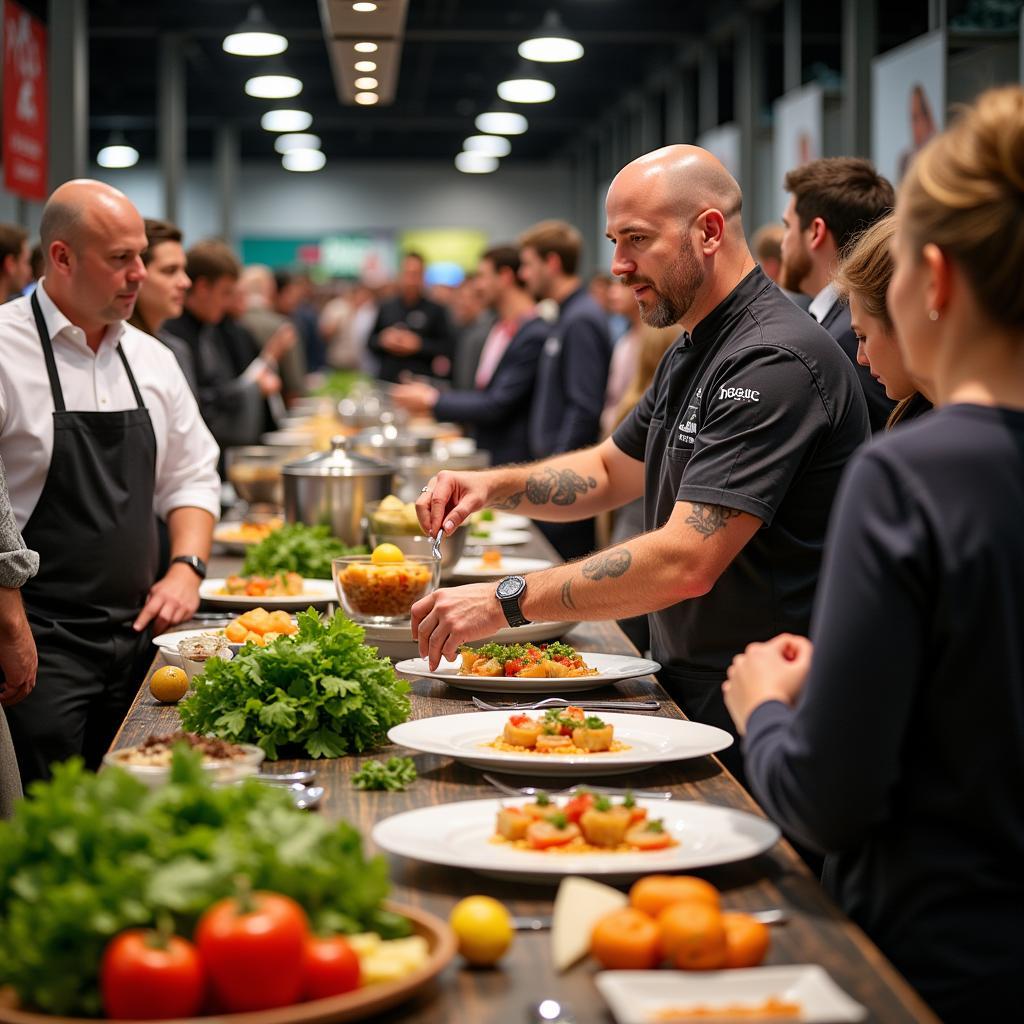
pixel 225 534
pixel 459 834
pixel 314 592
pixel 501 521
pixel 650 740
pixel 499 537
pixel 635 996
pixel 168 643
pixel 469 568
pixel 610 669
pixel 396 642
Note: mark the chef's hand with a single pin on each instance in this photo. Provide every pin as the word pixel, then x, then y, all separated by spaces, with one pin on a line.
pixel 18 659
pixel 445 619
pixel 400 341
pixel 417 398
pixel 776 670
pixel 449 499
pixel 171 600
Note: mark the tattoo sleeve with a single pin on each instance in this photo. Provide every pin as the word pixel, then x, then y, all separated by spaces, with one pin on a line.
pixel 612 564
pixel 559 487
pixel 707 520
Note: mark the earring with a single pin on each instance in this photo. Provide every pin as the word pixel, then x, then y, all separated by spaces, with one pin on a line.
pixel 933 314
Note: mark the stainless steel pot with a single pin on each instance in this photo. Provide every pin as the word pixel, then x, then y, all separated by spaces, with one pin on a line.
pixel 413 472
pixel 333 488
pixel 389 441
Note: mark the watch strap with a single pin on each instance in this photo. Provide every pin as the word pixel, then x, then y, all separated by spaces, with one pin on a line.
pixel 194 562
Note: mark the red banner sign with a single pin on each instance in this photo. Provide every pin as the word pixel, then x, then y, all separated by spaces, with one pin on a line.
pixel 25 112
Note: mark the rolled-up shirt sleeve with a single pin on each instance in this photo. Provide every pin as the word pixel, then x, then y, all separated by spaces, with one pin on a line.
pixel 187 464
pixel 17 563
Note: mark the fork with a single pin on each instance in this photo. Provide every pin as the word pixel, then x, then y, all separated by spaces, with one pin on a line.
pixel 561 702
pixel 640 794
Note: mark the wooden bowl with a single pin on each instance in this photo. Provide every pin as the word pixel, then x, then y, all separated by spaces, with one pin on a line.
pixel 357 1005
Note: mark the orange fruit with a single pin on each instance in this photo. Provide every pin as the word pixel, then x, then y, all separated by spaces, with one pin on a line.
pixel 169 684
pixel 656 892
pixel 746 940
pixel 693 936
pixel 625 939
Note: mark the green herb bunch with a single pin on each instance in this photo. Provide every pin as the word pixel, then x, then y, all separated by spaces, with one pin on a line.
pixel 295 547
pixel 321 689
pixel 86 856
pixel 394 775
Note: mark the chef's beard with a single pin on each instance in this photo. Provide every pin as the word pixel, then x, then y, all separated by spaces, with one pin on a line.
pixel 677 294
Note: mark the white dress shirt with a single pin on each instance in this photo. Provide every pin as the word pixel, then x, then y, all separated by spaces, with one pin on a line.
pixel 823 302
pixel 186 453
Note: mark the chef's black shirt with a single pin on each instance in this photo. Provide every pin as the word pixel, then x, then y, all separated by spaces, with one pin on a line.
pixel 904 758
pixel 424 317
pixel 758 410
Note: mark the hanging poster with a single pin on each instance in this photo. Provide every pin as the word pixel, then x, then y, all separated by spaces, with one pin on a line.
pixel 797 135
pixel 25 115
pixel 908 91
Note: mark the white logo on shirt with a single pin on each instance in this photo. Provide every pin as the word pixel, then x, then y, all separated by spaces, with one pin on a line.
pixel 740 394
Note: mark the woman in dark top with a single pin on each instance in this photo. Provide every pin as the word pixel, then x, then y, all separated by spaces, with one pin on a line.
pixel 896 745
pixel 862 279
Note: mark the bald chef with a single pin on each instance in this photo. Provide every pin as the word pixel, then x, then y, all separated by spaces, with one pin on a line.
pixel 100 435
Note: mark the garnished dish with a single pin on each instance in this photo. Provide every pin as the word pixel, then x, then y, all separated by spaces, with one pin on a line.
pixel 490 559
pixel 584 823
pixel 247 531
pixel 260 627
pixel 384 586
pixel 295 547
pixel 558 731
pixel 279 584
pixel 524 661
pixel 158 750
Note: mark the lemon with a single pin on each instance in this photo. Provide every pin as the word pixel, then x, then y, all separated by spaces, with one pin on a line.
pixel 483 927
pixel 169 684
pixel 386 554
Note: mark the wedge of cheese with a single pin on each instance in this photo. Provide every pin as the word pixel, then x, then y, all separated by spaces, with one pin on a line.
pixel 579 905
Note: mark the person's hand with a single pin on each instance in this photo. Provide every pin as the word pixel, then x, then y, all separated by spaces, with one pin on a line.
pixel 268 382
pixel 400 341
pixel 776 670
pixel 18 659
pixel 449 499
pixel 417 398
pixel 445 619
pixel 279 343
pixel 171 600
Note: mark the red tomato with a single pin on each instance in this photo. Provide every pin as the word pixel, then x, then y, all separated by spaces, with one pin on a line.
pixel 254 953
pixel 140 980
pixel 514 665
pixel 520 719
pixel 577 805
pixel 332 967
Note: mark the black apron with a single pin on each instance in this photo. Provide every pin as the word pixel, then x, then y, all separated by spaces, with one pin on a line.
pixel 670 438
pixel 95 532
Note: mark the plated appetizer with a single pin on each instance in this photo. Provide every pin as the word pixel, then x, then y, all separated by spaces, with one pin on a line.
pixel 558 731
pixel 260 627
pixel 585 823
pixel 385 585
pixel 524 661
pixel 279 584
pixel 247 531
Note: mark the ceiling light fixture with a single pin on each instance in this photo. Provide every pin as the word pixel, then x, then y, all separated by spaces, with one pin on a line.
pixel 367 99
pixel 273 87
pixel 526 90
pixel 365 47
pixel 293 141
pixel 551 45
pixel 286 120
pixel 255 37
pixel 501 122
pixel 476 163
pixel 365 65
pixel 489 145
pixel 364 7
pixel 365 83
pixel 117 153
pixel 303 160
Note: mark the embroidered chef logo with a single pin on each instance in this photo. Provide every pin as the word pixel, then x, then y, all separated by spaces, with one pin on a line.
pixel 688 423
pixel 740 394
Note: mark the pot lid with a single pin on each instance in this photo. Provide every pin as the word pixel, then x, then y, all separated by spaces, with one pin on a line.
pixel 341 460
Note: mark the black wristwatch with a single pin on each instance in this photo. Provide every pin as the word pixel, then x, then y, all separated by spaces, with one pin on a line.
pixel 194 562
pixel 509 591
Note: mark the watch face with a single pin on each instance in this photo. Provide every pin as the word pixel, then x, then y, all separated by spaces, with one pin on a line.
pixel 510 586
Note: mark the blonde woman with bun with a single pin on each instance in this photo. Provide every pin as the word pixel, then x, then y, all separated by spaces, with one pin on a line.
pixel 862 280
pixel 896 744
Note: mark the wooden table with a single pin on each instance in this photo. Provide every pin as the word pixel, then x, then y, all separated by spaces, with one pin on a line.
pixel 816 933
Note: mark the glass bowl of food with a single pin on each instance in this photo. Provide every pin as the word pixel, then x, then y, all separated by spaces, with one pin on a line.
pixel 393 521
pixel 150 761
pixel 382 588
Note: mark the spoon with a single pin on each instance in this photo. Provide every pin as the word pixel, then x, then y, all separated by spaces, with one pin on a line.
pixel 308 798
pixel 287 778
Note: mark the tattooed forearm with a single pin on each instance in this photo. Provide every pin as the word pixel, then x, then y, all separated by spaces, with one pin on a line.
pixel 567 600
pixel 511 502
pixel 709 519
pixel 613 564
pixel 560 487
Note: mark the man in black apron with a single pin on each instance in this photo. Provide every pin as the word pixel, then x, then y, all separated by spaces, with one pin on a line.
pixel 737 449
pixel 92 605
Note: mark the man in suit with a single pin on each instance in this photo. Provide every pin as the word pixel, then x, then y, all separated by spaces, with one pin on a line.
pixel 831 201
pixel 498 407
pixel 573 373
